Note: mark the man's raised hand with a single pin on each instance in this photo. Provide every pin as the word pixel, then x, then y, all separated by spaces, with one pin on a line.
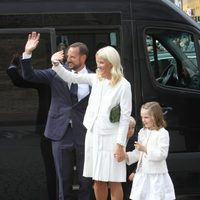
pixel 32 42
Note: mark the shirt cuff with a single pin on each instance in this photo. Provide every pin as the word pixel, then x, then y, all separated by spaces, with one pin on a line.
pixel 26 56
pixel 12 66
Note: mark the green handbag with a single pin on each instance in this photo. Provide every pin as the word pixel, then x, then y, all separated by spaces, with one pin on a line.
pixel 115 114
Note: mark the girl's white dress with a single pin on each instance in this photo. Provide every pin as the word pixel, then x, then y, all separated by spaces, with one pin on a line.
pixel 152 181
pixel 102 136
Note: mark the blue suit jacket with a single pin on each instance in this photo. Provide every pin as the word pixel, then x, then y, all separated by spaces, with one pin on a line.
pixel 61 109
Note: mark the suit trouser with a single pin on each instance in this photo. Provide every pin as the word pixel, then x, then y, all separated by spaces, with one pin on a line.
pixel 46 150
pixel 67 154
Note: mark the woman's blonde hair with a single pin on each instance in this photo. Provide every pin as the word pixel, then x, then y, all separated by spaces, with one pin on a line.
pixel 111 55
pixel 155 111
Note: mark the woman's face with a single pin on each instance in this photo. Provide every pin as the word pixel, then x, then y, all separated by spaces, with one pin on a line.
pixel 104 67
pixel 146 119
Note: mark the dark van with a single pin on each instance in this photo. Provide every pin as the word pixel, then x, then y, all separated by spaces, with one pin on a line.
pixel 160 49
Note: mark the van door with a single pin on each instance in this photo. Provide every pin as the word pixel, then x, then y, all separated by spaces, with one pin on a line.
pixel 170 74
pixel 22 169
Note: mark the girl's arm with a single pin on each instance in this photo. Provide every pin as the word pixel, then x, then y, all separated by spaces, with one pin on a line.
pixel 132 157
pixel 159 152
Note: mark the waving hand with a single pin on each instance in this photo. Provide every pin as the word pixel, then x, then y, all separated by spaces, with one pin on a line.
pixel 32 42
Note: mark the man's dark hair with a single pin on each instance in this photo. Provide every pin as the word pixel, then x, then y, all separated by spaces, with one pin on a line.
pixel 82 47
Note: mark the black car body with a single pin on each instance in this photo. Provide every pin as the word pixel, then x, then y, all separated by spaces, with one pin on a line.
pixel 159 47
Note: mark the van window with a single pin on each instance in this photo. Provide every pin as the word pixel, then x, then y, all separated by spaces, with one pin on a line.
pixel 19 105
pixel 94 39
pixel 172 58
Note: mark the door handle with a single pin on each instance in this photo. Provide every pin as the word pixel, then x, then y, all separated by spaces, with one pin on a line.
pixel 166 109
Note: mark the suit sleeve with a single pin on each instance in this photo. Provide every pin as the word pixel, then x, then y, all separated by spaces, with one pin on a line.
pixel 17 79
pixel 33 75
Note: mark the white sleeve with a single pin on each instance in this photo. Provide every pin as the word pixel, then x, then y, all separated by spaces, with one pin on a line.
pixel 133 157
pixel 160 152
pixel 126 108
pixel 70 77
pixel 26 56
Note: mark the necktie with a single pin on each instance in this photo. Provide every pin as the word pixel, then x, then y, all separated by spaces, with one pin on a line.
pixel 73 92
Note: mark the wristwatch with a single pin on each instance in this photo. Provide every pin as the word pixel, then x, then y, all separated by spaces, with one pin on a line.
pixel 55 64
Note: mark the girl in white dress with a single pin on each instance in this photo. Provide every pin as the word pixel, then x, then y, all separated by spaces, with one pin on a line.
pixel 105 140
pixel 151 181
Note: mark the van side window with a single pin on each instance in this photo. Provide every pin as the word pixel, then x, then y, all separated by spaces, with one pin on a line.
pixel 172 58
pixel 19 105
pixel 94 39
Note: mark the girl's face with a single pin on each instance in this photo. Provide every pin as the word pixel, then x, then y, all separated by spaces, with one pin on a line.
pixel 104 67
pixel 147 120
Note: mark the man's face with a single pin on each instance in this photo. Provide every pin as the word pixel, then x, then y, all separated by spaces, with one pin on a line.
pixel 74 59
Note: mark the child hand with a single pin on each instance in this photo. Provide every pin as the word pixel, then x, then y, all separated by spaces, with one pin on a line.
pixel 140 147
pixel 131 176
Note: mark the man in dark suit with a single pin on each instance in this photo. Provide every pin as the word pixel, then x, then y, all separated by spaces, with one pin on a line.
pixel 64 124
pixel 43 108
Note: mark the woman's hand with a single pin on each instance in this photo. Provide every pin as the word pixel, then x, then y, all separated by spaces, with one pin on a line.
pixel 119 153
pixel 57 57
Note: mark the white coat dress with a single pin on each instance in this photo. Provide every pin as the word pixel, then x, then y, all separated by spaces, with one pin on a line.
pixel 102 135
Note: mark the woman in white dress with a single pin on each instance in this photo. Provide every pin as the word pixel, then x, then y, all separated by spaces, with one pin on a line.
pixel 151 181
pixel 105 139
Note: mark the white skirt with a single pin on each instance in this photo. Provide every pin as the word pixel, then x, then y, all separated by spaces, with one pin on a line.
pixel 100 163
pixel 152 187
